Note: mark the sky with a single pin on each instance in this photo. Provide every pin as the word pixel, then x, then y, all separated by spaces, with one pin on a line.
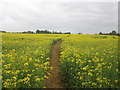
pixel 84 16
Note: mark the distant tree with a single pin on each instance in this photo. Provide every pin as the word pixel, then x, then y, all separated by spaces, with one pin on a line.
pixel 60 32
pixel 106 34
pixel 46 31
pixel 2 31
pixel 67 33
pixel 53 32
pixel 100 33
pixel 37 31
pixel 49 32
pixel 27 32
pixel 79 33
pixel 113 33
pixel 24 32
pixel 43 31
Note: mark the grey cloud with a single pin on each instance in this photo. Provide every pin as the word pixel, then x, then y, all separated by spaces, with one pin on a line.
pixel 93 17
pixel 75 17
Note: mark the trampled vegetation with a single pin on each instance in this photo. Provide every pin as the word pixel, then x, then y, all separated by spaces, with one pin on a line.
pixel 87 61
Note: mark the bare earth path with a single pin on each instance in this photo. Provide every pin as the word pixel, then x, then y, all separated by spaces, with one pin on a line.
pixel 54 79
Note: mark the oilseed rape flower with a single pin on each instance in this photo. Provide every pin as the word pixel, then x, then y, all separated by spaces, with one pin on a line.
pixel 25 56
pixel 81 77
pixel 7 66
pixel 86 67
pixel 93 84
pixel 90 74
pixel 116 81
pixel 29 75
pixel 25 64
pixel 45 76
pixel 37 79
pixel 78 73
pixel 15 78
pixel 85 60
pixel 36 64
pixel 92 58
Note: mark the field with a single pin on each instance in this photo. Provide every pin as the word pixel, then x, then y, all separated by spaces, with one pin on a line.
pixel 86 61
pixel 90 61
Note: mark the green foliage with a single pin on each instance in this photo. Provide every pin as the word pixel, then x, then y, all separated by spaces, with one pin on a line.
pixel 111 33
pixel 43 31
pixel 27 32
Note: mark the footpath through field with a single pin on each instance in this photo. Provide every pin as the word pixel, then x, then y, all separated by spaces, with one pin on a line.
pixel 54 79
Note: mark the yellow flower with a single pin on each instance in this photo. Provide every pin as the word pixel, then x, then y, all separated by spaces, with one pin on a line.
pixel 8 80
pixel 100 85
pixel 45 76
pixel 92 48
pixel 116 70
pixel 84 68
pixel 26 79
pixel 44 87
pixel 116 81
pixel 98 79
pixel 78 73
pixel 30 59
pixel 97 53
pixel 84 83
pixel 37 79
pixel 7 66
pixel 36 64
pixel 47 58
pixel 25 64
pixel 81 77
pixel 90 74
pixel 89 61
pixel 29 74
pixel 51 67
pixel 8 71
pixel 33 70
pixel 37 60
pixel 13 50
pixel 15 78
pixel 1 77
pixel 3 61
pixel 72 60
pixel 14 84
pixel 93 84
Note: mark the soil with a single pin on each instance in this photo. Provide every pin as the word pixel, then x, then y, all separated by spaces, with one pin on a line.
pixel 54 79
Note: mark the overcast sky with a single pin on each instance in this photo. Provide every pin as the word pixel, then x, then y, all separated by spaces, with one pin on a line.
pixel 74 16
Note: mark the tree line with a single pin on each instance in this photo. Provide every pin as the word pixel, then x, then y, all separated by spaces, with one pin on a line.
pixel 46 32
pixel 111 33
pixel 56 32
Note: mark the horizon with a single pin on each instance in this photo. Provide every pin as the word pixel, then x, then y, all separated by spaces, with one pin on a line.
pixel 34 31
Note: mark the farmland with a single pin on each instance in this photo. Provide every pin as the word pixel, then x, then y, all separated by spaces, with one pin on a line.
pixel 90 61
pixel 25 59
pixel 86 61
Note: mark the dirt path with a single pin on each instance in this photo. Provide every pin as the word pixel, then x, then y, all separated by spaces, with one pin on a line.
pixel 54 79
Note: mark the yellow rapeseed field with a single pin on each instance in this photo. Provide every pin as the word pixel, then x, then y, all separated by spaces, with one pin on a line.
pixel 86 61
pixel 25 59
pixel 90 61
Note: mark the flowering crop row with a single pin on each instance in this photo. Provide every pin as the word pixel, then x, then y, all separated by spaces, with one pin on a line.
pixel 25 59
pixel 90 61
